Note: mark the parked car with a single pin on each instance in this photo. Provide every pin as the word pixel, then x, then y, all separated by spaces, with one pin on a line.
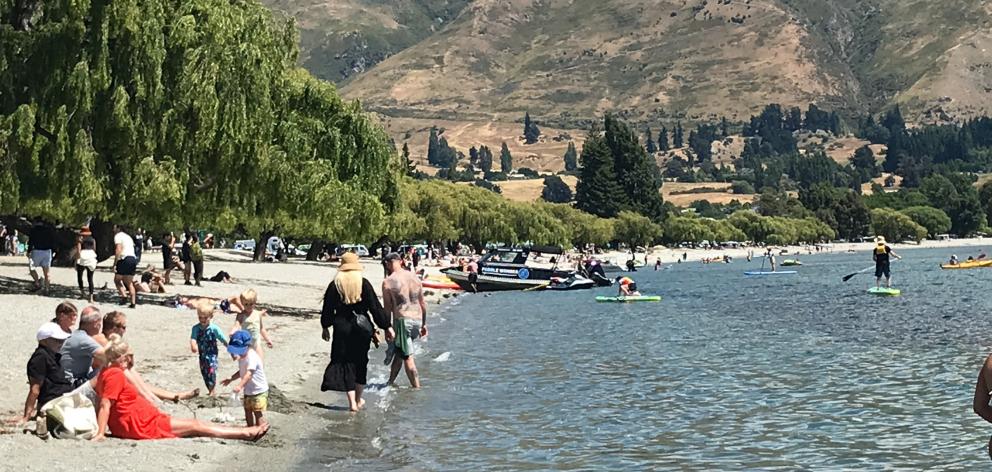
pixel 300 250
pixel 359 249
pixel 244 245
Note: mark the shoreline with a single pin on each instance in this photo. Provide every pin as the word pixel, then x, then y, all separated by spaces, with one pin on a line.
pixel 159 334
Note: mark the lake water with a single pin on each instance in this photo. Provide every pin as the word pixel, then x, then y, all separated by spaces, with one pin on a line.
pixel 802 372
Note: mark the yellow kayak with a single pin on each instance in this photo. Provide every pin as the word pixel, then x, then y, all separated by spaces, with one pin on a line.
pixel 967 265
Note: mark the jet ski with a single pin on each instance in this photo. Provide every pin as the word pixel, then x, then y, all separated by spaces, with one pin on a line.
pixel 575 282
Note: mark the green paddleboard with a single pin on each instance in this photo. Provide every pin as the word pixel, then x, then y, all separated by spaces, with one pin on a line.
pixel 884 292
pixel 642 298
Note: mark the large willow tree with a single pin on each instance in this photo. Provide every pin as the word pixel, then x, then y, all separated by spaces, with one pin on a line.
pixel 164 113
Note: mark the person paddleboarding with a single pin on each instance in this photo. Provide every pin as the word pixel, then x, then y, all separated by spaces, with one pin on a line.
pixel 881 255
pixel 628 288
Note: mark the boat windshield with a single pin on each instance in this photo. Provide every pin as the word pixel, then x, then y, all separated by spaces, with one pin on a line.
pixel 506 257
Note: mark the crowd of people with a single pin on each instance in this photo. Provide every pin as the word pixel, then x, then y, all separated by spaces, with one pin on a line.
pixel 84 354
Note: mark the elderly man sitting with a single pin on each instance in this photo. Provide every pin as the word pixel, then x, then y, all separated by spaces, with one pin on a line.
pixel 81 353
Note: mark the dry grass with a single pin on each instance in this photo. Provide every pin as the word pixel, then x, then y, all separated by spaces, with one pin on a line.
pixel 530 190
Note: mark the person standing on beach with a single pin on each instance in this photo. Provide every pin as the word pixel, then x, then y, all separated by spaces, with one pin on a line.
pixel 186 258
pixel 86 260
pixel 403 299
pixel 196 257
pixel 168 248
pixel 881 255
pixel 203 342
pixel 349 301
pixel 41 243
pixel 125 266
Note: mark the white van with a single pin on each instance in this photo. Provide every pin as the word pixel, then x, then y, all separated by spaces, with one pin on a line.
pixel 359 249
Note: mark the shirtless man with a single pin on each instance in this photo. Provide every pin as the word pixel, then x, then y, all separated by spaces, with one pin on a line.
pixel 983 395
pixel 403 298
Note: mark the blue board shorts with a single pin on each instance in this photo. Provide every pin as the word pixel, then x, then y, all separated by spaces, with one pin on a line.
pixel 127 266
pixel 882 270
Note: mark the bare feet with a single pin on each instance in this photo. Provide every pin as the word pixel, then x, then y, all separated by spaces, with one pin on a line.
pixel 187 395
pixel 261 430
pixel 361 404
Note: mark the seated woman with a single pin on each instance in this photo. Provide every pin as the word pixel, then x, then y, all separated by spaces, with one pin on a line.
pixel 151 282
pixel 129 415
pixel 115 322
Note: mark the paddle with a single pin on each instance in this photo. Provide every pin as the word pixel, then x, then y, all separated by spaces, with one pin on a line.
pixel 537 287
pixel 866 269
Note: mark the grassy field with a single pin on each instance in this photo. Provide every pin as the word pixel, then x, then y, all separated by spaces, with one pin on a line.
pixel 675 192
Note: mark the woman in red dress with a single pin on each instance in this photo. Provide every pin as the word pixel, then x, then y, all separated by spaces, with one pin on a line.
pixel 130 416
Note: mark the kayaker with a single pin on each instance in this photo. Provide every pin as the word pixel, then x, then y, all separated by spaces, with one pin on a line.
pixel 881 256
pixel 971 258
pixel 628 288
pixel 954 260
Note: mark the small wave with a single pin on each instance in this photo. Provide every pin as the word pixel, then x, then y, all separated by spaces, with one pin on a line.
pixel 443 357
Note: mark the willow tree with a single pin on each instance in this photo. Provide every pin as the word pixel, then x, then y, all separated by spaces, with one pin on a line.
pixel 160 113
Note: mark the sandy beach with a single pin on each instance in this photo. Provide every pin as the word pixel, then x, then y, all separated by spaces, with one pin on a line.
pixel 159 335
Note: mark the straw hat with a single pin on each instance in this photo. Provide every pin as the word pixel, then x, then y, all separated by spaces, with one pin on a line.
pixel 880 239
pixel 349 262
pixel 85 231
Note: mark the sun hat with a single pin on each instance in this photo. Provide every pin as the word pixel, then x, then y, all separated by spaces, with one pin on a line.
pixel 51 330
pixel 879 239
pixel 349 262
pixel 85 231
pixel 239 343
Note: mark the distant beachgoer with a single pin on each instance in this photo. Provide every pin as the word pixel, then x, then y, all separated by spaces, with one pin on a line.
pixel 685 255
pixel 251 319
pixel 630 266
pixel 881 255
pixel 168 256
pixel 46 378
pixel 657 264
pixel 348 303
pixel 3 239
pixel 627 287
pixel 186 258
pixel 86 260
pixel 139 243
pixel 13 242
pixel 232 304
pixel 196 256
pixel 771 260
pixel 222 277
pixel 126 265
pixel 129 415
pixel 403 299
pixel 203 341
pixel 41 243
pixel 80 354
pixel 250 376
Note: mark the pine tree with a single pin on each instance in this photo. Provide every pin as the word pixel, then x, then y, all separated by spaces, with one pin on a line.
pixel 433 148
pixel 597 190
pixel 724 127
pixel 663 139
pixel 650 145
pixel 571 158
pixel 531 131
pixel 485 159
pixel 556 190
pixel 505 159
pixel 677 139
pixel 794 120
pixel 637 173
pixel 411 169
pixel 473 156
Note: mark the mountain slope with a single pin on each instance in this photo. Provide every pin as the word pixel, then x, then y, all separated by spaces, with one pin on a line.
pixel 568 61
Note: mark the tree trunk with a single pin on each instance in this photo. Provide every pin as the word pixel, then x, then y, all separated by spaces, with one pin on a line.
pixel 259 255
pixel 103 233
pixel 315 248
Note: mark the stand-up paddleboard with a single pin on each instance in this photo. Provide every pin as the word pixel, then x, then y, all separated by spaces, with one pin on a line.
pixel 768 272
pixel 884 291
pixel 642 298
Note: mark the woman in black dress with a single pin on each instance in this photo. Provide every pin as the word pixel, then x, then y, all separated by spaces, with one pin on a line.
pixel 349 302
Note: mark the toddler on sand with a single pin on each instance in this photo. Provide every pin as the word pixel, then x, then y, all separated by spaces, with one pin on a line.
pixel 203 340
pixel 250 376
